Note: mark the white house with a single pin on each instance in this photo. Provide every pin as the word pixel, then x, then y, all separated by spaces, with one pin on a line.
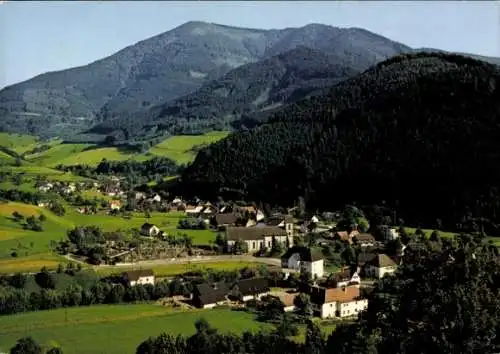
pixel 305 260
pixel 156 198
pixel 141 276
pixel 337 302
pixel 379 266
pixel 248 289
pixel 210 295
pixel 149 230
pixel 287 299
pixel 345 278
pixel 256 237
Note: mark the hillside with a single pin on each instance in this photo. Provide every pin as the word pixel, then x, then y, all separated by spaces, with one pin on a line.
pixel 164 67
pixel 251 88
pixel 418 131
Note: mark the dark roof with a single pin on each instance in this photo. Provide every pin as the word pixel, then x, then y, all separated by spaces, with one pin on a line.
pixel 226 218
pixel 253 233
pixel 147 226
pixel 320 295
pixel 276 220
pixel 306 254
pixel 134 275
pixel 252 286
pixel 382 260
pixel 365 238
pixel 345 275
pixel 211 293
pixel 365 257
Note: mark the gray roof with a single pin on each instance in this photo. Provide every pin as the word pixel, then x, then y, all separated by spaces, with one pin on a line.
pixel 134 275
pixel 306 254
pixel 253 233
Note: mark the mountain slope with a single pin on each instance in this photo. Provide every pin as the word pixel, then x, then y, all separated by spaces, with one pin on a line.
pixel 254 87
pixel 420 131
pixel 165 67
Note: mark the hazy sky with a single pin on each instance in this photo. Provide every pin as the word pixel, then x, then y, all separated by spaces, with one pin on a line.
pixel 37 37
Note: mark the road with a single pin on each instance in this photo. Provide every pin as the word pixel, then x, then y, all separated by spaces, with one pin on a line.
pixel 191 260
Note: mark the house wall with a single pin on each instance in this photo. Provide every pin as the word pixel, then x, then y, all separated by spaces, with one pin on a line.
pixel 289 308
pixel 251 297
pixel 343 309
pixel 143 280
pixel 315 268
pixel 351 308
pixel 379 272
pixel 328 310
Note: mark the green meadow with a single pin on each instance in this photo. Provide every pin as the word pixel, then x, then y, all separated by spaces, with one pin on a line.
pixel 168 270
pixel 33 247
pixel 18 142
pixel 114 328
pixel 178 148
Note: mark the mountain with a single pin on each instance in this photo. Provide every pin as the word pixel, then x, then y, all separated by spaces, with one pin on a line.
pixel 250 89
pixel 418 131
pixel 165 67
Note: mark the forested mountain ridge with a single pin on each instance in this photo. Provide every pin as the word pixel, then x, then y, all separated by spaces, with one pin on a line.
pixel 419 131
pixel 251 88
pixel 167 66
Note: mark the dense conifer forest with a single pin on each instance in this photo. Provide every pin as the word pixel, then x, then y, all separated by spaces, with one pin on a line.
pixel 418 131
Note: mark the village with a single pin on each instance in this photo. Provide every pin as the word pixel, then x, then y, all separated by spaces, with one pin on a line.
pixel 244 229
pixel 318 264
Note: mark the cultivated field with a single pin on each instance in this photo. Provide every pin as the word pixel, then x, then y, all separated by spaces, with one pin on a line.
pixel 178 148
pixel 114 328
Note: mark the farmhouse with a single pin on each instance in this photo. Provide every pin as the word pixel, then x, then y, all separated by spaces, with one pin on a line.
pixel 257 238
pixel 305 260
pixel 193 210
pixel 346 236
pixel 337 302
pixel 365 240
pixel 149 230
pixel 247 289
pixel 284 222
pixel 224 220
pixel 344 278
pixel 288 300
pixel 362 259
pixel 115 205
pixel 209 295
pixel 379 266
pixel 140 276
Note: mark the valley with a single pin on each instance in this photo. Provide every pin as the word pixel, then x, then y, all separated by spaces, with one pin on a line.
pixel 216 189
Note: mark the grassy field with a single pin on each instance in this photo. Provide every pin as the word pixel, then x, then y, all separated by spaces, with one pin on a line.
pixel 178 148
pixel 13 236
pixel 18 142
pixel 33 248
pixel 114 328
pixel 167 270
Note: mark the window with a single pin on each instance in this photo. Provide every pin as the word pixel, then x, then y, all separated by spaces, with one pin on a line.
pixel 269 244
pixel 253 244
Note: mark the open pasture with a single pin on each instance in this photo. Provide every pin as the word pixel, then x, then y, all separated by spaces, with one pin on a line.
pixel 114 328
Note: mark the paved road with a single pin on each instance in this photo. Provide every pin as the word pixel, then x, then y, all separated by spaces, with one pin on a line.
pixel 193 260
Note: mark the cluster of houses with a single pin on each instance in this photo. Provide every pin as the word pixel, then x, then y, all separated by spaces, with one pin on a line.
pixel 60 187
pixel 343 299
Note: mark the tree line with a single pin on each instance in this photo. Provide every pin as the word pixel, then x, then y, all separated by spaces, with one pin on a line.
pixel 418 132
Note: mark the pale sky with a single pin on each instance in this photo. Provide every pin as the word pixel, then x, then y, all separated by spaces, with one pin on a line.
pixel 36 37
